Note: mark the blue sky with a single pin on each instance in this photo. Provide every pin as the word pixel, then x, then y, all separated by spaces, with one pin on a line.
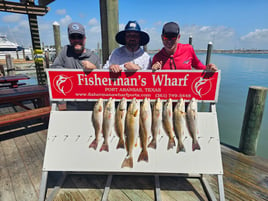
pixel 229 24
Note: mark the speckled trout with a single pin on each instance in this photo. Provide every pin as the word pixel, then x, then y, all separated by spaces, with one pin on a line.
pixel 179 123
pixel 145 128
pixel 132 130
pixel 97 119
pixel 156 122
pixel 120 117
pixel 191 120
pixel 108 123
pixel 168 123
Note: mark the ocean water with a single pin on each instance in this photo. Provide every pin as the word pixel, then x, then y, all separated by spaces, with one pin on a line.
pixel 238 73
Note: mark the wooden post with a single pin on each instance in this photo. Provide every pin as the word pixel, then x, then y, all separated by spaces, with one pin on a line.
pixel 47 58
pixel 56 29
pixel 2 70
pixel 23 54
pixel 99 51
pixel 209 51
pixel 109 27
pixel 17 54
pixel 9 63
pixel 190 40
pixel 145 49
pixel 252 120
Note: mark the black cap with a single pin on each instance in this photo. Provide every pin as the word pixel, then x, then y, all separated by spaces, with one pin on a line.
pixel 171 28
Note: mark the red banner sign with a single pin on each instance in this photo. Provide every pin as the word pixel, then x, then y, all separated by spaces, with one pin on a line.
pixel 80 85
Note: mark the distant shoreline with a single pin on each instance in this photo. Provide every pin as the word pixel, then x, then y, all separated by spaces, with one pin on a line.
pixel 239 51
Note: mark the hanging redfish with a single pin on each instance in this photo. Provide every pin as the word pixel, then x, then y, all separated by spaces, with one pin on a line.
pixel 132 129
pixel 97 119
pixel 156 122
pixel 179 123
pixel 191 119
pixel 168 123
pixel 145 128
pixel 108 123
pixel 120 117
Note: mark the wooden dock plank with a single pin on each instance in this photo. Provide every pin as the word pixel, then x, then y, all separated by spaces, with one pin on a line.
pixel 245 178
pixel 246 173
pixel 6 187
pixel 70 195
pixel 86 185
pixel 31 155
pixel 37 143
pixel 22 185
pixel 134 186
pixel 179 188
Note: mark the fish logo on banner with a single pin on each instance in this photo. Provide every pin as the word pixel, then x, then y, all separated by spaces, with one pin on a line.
pixel 63 84
pixel 201 86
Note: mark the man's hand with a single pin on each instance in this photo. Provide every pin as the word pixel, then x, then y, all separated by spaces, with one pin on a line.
pixel 62 106
pixel 115 68
pixel 212 67
pixel 131 66
pixel 88 65
pixel 157 65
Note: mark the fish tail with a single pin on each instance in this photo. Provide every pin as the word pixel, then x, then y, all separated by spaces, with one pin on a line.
pixel 121 144
pixel 94 144
pixel 171 143
pixel 143 156
pixel 128 162
pixel 104 147
pixel 195 146
pixel 152 144
pixel 180 147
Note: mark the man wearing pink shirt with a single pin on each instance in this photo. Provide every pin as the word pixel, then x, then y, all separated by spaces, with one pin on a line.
pixel 175 55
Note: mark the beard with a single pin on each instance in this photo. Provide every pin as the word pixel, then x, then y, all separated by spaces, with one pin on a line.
pixel 133 45
pixel 78 48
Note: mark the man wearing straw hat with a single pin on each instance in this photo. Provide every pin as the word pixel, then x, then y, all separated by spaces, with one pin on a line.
pixel 130 56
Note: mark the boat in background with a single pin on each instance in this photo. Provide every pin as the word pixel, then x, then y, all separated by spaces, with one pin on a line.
pixel 6 45
pixel 12 48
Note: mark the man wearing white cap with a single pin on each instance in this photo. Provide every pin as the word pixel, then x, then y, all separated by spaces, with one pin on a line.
pixel 130 56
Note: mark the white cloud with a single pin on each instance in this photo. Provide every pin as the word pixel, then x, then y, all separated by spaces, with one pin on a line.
pixel 155 39
pixel 255 40
pixel 141 22
pixel 121 27
pixel 158 23
pixel 93 22
pixel 257 35
pixel 221 36
pixel 61 12
pixel 66 20
pixel 12 18
pixel 95 29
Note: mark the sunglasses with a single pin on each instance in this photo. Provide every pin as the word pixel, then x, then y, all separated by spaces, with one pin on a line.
pixel 76 36
pixel 170 37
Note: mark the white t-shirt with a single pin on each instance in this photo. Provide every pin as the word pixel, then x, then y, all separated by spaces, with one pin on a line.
pixel 122 55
